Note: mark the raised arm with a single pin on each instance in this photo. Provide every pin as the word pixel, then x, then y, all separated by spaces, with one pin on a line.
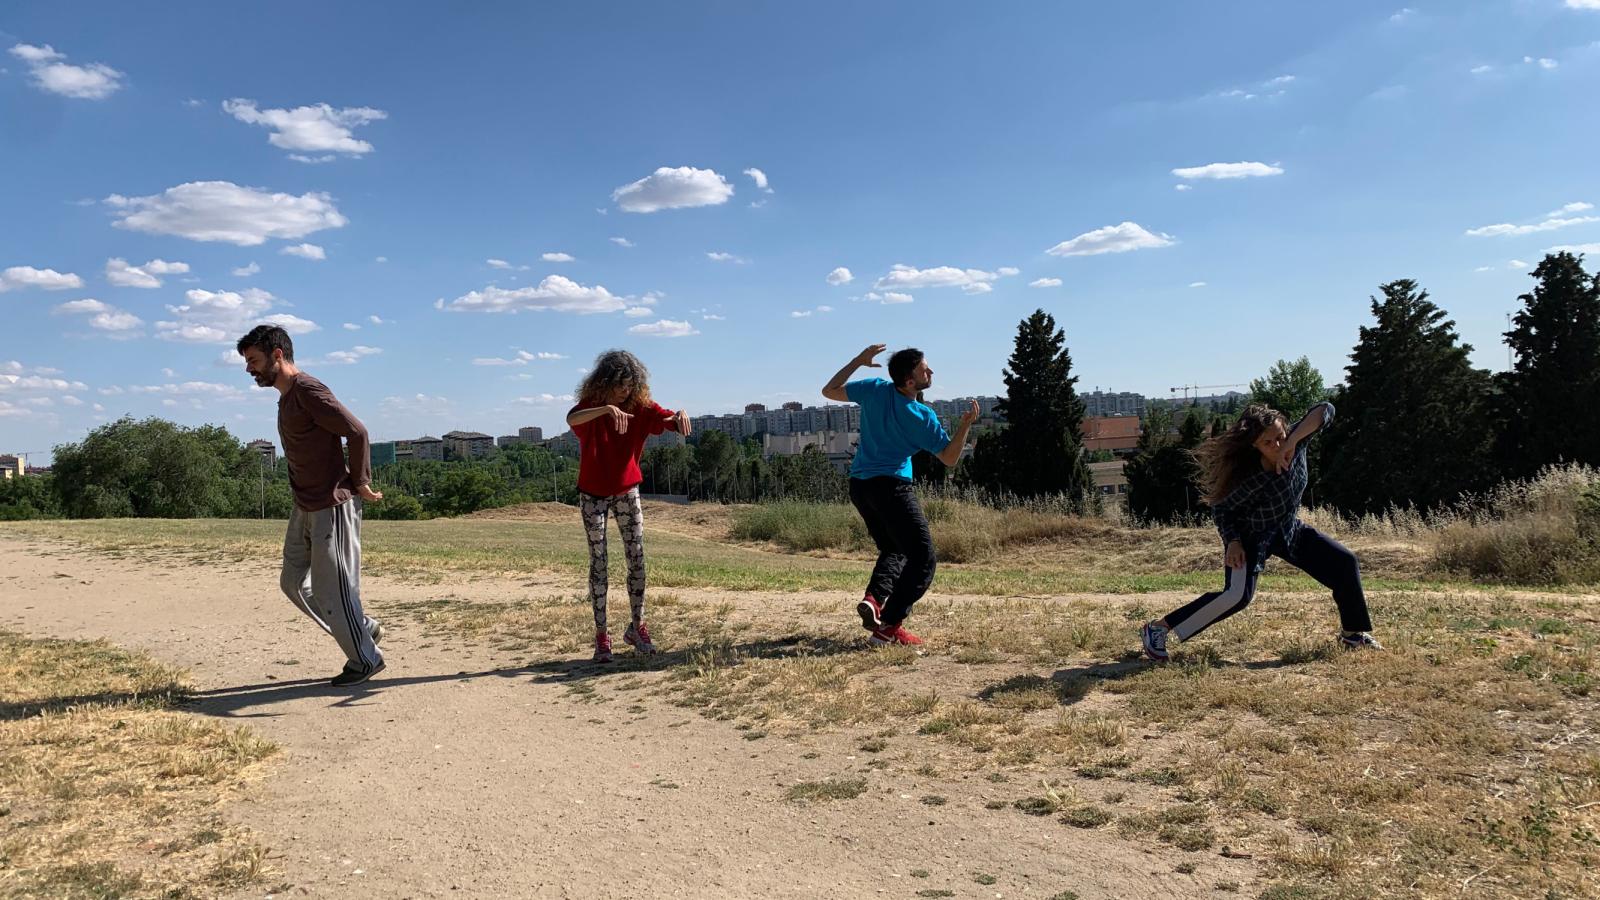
pixel 1315 419
pixel 951 454
pixel 619 419
pixel 834 389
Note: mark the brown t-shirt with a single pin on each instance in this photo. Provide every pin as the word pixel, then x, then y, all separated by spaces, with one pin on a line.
pixel 310 423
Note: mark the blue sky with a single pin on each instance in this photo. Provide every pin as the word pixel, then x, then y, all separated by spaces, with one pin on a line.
pixel 1214 186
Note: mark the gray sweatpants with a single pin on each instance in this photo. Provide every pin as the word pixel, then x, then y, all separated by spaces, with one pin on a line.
pixel 322 575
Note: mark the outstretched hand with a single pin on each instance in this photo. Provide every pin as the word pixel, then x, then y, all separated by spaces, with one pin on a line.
pixel 680 422
pixel 366 492
pixel 619 419
pixel 971 415
pixel 864 358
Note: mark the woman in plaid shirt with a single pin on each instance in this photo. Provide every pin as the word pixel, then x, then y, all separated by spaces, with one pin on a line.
pixel 1252 477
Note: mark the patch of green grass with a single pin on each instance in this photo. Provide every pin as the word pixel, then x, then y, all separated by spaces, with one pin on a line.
pixel 1087 816
pixel 984 878
pixel 829 789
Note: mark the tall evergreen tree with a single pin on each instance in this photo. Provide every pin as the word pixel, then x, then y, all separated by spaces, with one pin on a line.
pixel 1041 446
pixel 1550 400
pixel 1162 476
pixel 1411 428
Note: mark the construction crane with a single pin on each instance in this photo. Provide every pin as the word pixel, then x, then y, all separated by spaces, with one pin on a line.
pixel 1186 388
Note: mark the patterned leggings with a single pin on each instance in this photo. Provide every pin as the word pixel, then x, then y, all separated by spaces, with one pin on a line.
pixel 630 522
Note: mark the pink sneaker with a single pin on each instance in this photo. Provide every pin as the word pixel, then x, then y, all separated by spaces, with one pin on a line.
pixel 638 636
pixel 602 646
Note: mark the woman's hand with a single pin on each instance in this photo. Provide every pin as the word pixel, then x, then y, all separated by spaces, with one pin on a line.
pixel 619 419
pixel 680 421
pixel 1285 457
pixel 1234 557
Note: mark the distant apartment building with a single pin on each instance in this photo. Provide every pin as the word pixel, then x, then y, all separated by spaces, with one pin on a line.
pixel 1099 403
pixel 794 405
pixel 565 443
pixel 533 434
pixel 382 453
pixel 13 465
pixel 265 449
pixel 1118 434
pixel 468 444
pixel 402 451
pixel 838 446
pixel 1109 479
pixel 755 408
pixel 665 439
pixel 427 448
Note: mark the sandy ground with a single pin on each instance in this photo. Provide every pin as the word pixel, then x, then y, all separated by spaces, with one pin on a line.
pixel 464 772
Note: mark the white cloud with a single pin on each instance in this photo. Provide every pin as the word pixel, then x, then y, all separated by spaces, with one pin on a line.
pixel 102 316
pixel 196 392
pixel 502 264
pixel 1550 221
pixel 542 354
pixel 1583 4
pixel 1229 170
pixel 219 317
pixel 1484 269
pixel 664 328
pixel 637 312
pixel 800 314
pixel 1576 248
pixel 760 178
pixel 1045 282
pixel 1481 70
pixel 351 356
pixel 313 160
pixel 622 242
pixel 351 326
pixel 86 305
pixel 556 257
pixel 1182 187
pixel 313 129
pixel 840 276
pixel 382 259
pixel 224 211
pixel 1271 89
pixel 1542 62
pixel 305 251
pixel 247 271
pixel 119 273
pixel 713 317
pixel 719 256
pixel 1111 239
pixel 1517 264
pixel 555 293
pixel 1403 15
pixel 544 400
pixel 521 358
pixel 903 276
pixel 676 188
pixel 46 279
pixel 377 321
pixel 888 298
pixel 95 81
pixel 117 321
pixel 1008 271
pixel 1197 284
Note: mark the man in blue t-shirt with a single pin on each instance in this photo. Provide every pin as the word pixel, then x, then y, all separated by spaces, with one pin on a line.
pixel 895 425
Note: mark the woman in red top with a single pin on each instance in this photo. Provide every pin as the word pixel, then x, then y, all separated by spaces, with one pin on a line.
pixel 613 417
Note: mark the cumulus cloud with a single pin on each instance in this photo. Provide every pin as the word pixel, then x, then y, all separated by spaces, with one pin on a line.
pixel 622 242
pixel 502 264
pixel 86 305
pixel 119 273
pixel 1575 248
pixel 1222 171
pixel 973 281
pixel 103 317
pixel 840 276
pixel 556 257
pixel 521 358
pixel 1197 284
pixel 664 328
pixel 544 400
pixel 247 271
pixel 52 74
pixel 350 357
pixel 1556 219
pixel 719 256
pixel 555 293
pixel 1542 62
pixel 1045 282
pixel 224 211
pixel 669 188
pixel 888 298
pixel 1271 89
pixel 377 321
pixel 1111 239
pixel 309 129
pixel 305 251
pixel 219 317
pixel 637 312
pixel 760 178
pixel 17 277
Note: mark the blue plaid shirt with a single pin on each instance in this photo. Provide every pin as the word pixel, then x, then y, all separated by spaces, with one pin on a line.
pixel 1264 506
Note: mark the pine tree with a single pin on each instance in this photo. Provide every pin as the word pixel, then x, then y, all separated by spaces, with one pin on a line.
pixel 1549 407
pixel 1041 446
pixel 1162 477
pixel 1411 428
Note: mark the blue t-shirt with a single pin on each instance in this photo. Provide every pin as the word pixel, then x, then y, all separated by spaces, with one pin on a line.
pixel 893 428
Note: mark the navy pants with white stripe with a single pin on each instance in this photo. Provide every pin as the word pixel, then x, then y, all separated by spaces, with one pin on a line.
pixel 322 575
pixel 1318 555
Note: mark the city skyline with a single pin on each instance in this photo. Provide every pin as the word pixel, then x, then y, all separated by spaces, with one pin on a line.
pixel 454 214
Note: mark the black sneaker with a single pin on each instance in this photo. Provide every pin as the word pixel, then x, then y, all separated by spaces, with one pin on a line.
pixel 376 630
pixel 355 676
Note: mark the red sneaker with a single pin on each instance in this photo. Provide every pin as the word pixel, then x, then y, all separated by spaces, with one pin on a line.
pixel 602 646
pixel 639 636
pixel 871 613
pixel 893 634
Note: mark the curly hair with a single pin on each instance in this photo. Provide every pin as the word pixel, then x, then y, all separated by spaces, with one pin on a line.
pixel 616 369
pixel 1226 459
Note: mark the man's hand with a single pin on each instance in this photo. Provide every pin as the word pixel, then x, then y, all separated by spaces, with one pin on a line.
pixel 366 492
pixel 864 358
pixel 970 416
pixel 1234 558
pixel 619 419
pixel 680 422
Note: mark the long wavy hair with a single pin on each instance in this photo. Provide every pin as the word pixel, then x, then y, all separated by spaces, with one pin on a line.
pixel 1231 456
pixel 616 369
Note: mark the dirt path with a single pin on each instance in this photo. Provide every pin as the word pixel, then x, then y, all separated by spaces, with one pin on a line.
pixel 462 774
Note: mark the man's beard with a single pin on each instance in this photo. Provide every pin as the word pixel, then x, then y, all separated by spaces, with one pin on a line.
pixel 268 377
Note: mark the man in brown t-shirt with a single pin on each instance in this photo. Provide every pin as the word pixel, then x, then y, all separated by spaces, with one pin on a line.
pixel 322 551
